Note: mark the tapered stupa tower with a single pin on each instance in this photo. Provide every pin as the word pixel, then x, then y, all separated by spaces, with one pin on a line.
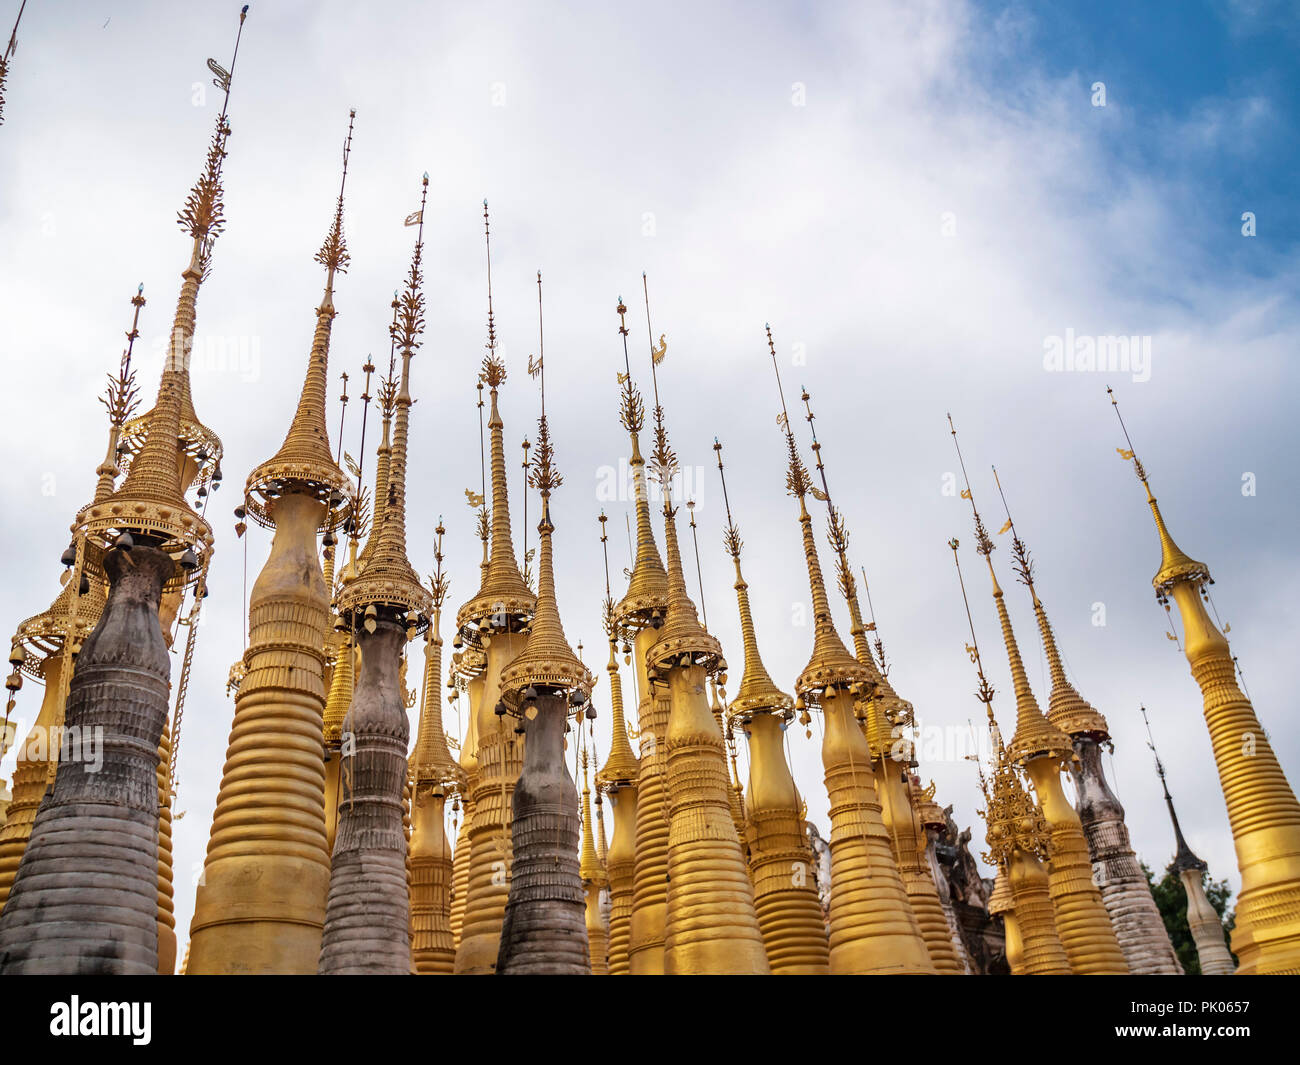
pixel 1019 839
pixel 618 778
pixel 367 916
pixel 712 927
pixel 591 867
pixel 260 904
pixel 872 926
pixel 143 537
pixel 1202 919
pixel 639 615
pixel 493 624
pixel 780 856
pixel 1133 913
pixel 434 775
pixel 1044 752
pixel 892 756
pixel 46 645
pixel 544 929
pixel 1262 806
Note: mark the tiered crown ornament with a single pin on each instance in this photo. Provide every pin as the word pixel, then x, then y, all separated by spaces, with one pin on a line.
pixel 388 581
pixel 304 464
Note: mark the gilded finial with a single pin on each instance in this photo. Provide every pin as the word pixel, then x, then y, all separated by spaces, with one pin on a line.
pixel 1175 566
pixel 494 368
pixel 333 254
pixel 663 462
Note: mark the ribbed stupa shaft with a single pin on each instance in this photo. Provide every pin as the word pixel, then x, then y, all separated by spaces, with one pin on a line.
pixel 1041 748
pixel 909 852
pixel 500 758
pixel 432 948
pixel 780 857
pixel 712 927
pixel 544 929
pixel 1035 919
pixel 620 865
pixel 1081 918
pixel 85 898
pixel 1133 913
pixel 1205 926
pixel 872 926
pixel 592 870
pixel 1262 808
pixel 460 877
pixel 650 882
pixel 261 903
pixel 367 917
pixel 36 757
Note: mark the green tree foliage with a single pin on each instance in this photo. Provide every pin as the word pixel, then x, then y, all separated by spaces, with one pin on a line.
pixel 1171 901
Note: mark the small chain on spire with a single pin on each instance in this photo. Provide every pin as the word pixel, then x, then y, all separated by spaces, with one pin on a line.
pixel 878 643
pixel 731 537
pixel 699 573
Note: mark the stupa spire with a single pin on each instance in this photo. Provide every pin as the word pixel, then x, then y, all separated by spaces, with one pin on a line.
pixel 503 593
pixel 1262 808
pixel 872 926
pixel 92 821
pixel 1019 840
pixel 831 663
pixel 544 928
pixel 621 762
pixel 647 590
pixel 431 760
pixel 305 462
pixel 368 912
pixel 711 924
pixel 789 913
pixel 886 719
pixel 1139 927
pixel 272 760
pixel 1043 750
pixel 1202 919
pixel 120 399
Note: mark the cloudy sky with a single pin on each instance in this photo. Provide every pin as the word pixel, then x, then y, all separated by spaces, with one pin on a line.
pixel 924 199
